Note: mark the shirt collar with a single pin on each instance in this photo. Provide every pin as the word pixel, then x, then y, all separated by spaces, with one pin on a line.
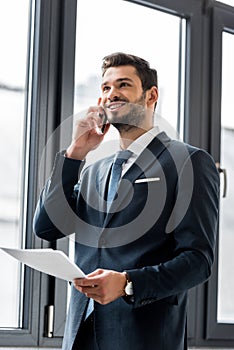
pixel 138 145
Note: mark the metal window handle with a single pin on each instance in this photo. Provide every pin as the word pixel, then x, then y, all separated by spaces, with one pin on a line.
pixel 224 172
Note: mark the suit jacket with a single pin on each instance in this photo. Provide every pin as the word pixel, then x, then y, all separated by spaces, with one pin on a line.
pixel 160 229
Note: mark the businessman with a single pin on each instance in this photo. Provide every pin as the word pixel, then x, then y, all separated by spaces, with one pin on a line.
pixel 145 219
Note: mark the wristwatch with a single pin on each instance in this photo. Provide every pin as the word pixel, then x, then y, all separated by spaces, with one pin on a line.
pixel 128 289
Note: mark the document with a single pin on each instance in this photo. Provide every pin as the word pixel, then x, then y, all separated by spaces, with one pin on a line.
pixel 49 261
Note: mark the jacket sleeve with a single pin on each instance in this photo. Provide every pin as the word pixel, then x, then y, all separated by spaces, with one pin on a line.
pixel 194 237
pixel 55 215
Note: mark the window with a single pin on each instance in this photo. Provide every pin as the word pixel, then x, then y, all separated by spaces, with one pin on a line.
pixel 166 53
pixel 30 80
pixel 226 239
pixel 13 155
pixel 228 2
pixel 50 69
pixel 220 312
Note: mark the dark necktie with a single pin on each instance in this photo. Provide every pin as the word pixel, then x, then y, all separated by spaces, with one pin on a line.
pixel 116 171
pixel 115 175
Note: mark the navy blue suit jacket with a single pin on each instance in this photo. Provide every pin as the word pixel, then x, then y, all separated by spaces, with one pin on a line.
pixel 161 230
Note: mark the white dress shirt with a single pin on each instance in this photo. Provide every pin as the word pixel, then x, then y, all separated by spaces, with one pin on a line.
pixel 138 145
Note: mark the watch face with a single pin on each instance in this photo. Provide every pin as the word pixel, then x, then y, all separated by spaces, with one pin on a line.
pixel 129 288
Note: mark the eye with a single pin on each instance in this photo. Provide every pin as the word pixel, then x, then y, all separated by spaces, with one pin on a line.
pixel 124 84
pixel 105 88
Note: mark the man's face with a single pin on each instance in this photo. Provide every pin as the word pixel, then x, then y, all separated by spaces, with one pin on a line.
pixel 123 97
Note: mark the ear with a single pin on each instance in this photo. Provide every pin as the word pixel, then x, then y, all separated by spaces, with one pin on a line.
pixel 152 96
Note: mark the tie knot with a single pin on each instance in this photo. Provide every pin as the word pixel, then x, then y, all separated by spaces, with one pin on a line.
pixel 122 156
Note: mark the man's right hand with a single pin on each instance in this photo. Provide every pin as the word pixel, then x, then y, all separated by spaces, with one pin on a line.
pixel 88 134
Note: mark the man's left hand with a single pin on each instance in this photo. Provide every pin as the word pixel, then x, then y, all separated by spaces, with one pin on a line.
pixel 104 286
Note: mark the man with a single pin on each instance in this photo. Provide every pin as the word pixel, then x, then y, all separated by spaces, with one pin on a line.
pixel 143 247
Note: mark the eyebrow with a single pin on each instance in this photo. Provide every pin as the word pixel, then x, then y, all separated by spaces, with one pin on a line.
pixel 118 81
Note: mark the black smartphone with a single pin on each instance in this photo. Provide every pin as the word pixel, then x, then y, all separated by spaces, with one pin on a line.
pixel 104 121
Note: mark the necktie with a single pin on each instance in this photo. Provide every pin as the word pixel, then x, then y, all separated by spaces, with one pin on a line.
pixel 116 171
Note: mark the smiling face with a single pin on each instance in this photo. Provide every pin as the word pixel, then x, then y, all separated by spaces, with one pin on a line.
pixel 123 97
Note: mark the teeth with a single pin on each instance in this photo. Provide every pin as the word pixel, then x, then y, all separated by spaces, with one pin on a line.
pixel 115 106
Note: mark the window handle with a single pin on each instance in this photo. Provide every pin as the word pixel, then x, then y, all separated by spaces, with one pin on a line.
pixel 224 172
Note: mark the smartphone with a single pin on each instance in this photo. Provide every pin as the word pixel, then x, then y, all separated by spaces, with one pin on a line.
pixel 104 121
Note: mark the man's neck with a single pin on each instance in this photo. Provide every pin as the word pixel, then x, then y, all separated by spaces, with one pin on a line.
pixel 127 137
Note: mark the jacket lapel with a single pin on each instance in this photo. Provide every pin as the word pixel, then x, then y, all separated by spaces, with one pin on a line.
pixel 144 162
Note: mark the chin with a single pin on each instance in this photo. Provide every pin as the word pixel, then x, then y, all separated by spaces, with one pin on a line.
pixel 124 127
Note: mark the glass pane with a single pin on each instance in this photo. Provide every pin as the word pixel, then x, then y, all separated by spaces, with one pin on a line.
pixel 228 2
pixel 226 240
pixel 13 58
pixel 164 52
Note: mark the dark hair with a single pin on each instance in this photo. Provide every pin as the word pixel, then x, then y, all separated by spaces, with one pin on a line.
pixel 147 75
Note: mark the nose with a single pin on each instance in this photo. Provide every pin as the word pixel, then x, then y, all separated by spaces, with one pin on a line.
pixel 113 94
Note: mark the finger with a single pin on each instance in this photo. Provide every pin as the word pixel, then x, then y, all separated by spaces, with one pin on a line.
pixel 87 123
pixel 96 273
pixel 91 292
pixel 86 283
pixel 91 289
pixel 94 123
pixel 99 114
pixel 81 128
pixel 76 281
pixel 96 109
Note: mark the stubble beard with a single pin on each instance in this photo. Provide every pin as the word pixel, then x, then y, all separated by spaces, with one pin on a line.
pixel 133 118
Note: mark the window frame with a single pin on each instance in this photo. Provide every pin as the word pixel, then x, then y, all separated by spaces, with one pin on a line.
pixel 52 103
pixel 223 21
pixel 196 124
pixel 26 335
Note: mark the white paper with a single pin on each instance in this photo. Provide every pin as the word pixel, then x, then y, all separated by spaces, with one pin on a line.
pixel 49 261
